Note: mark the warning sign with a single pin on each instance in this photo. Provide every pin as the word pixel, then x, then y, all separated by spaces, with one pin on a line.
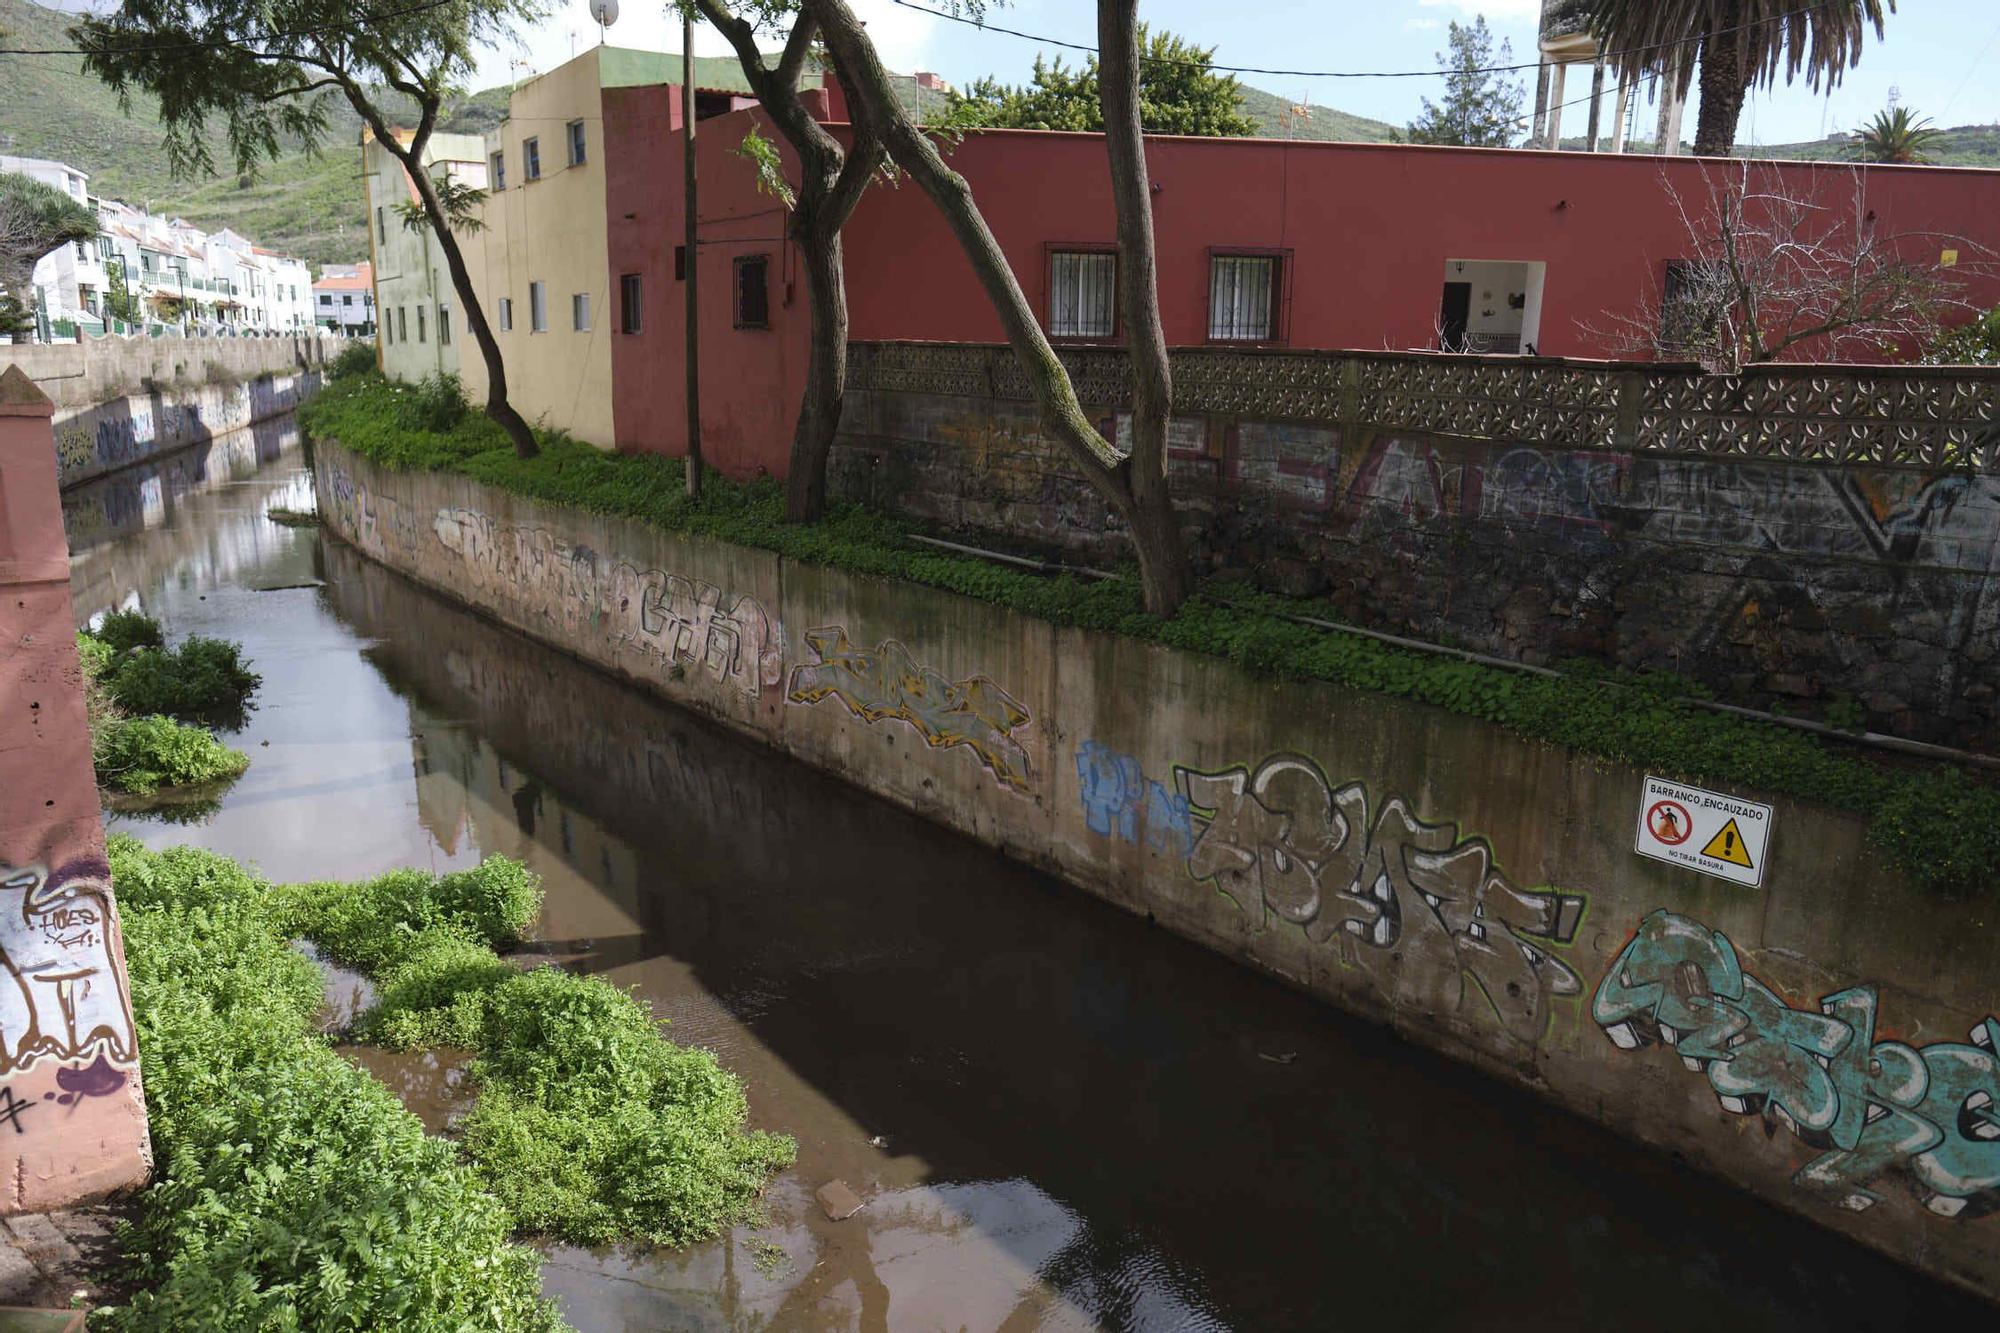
pixel 1732 834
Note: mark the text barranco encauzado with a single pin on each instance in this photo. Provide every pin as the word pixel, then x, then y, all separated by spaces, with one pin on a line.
pixel 63 998
pixel 1932 1114
pixel 675 620
pixel 886 682
pixel 1370 879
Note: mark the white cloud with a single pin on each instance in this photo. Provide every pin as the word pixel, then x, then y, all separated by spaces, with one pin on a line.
pixel 903 36
pixel 1422 25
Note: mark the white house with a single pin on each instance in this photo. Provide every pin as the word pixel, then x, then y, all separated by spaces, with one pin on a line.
pixel 174 275
pixel 344 298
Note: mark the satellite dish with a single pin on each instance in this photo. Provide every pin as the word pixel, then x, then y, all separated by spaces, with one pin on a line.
pixel 604 11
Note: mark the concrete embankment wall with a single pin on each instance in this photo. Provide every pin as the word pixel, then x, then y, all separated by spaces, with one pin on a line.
pixel 121 400
pixel 1823 1041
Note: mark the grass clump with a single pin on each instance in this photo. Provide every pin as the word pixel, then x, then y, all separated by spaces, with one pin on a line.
pixel 292 518
pixel 293 1190
pixel 589 1125
pixel 141 755
pixel 203 678
pixel 136 747
pixel 124 631
pixel 1938 824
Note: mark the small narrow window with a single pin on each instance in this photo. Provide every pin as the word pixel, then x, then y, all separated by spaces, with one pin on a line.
pixel 381 224
pixel 444 326
pixel 579 312
pixel 576 144
pixel 531 159
pixel 1083 294
pixel 538 308
pixel 402 323
pixel 753 303
pixel 420 324
pixel 506 314
pixel 680 263
pixel 1242 298
pixel 631 304
pixel 498 162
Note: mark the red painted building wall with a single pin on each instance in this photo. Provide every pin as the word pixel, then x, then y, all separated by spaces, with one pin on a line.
pixel 1365 231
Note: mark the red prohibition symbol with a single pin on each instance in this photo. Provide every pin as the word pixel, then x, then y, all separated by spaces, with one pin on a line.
pixel 1669 822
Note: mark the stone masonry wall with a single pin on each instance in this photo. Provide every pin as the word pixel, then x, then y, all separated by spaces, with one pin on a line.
pixel 1771 579
pixel 1476 891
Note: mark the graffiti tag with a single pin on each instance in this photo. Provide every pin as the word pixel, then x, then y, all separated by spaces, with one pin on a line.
pixel 1120 801
pixel 885 683
pixel 1283 841
pixel 62 997
pixel 1873 1105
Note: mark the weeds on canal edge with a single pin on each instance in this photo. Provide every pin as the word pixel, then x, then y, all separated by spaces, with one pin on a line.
pixel 1938 823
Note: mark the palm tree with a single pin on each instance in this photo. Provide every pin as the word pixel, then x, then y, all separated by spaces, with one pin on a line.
pixel 1742 43
pixel 1897 136
pixel 35 219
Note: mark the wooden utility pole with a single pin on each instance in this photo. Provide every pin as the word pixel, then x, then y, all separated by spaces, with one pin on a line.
pixel 693 335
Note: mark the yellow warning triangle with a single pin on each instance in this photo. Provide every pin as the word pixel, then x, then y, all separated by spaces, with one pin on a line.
pixel 1727 845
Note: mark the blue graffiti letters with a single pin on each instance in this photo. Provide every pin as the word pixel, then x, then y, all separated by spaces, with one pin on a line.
pixel 1121 801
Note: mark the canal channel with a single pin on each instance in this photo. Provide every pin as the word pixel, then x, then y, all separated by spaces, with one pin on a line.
pixel 1060 1117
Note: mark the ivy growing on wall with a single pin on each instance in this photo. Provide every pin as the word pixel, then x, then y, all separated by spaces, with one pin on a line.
pixel 1939 824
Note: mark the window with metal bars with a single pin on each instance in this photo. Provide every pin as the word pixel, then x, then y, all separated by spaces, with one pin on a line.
pixel 1242 298
pixel 1083 294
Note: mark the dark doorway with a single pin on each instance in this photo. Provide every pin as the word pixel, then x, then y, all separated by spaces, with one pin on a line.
pixel 1453 313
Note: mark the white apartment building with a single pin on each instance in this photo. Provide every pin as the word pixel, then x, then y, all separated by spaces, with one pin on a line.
pixel 175 277
pixel 414 298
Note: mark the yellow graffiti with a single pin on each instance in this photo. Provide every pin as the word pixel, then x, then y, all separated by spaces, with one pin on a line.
pixel 886 683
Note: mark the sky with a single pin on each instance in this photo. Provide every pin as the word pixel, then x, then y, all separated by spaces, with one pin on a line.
pixel 1943 56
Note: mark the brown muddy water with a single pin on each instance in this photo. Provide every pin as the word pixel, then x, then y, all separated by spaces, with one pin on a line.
pixel 1058 1117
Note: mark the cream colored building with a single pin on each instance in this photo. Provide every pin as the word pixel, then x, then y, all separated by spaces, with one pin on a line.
pixel 421 329
pixel 545 280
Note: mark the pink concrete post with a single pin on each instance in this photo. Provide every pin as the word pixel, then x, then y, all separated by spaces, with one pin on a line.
pixel 72 1121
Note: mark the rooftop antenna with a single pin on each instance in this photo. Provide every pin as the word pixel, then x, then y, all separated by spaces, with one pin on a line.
pixel 606 14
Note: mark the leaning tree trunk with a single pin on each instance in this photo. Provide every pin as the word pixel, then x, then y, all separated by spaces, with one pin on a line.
pixel 498 408
pixel 1163 563
pixel 1724 85
pixel 876 108
pixel 826 374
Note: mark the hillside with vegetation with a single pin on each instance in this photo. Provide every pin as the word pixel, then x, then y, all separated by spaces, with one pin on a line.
pixel 308 205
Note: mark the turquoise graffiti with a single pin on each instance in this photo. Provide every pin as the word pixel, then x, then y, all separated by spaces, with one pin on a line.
pixel 1875 1106
pixel 1120 801
pixel 1280 840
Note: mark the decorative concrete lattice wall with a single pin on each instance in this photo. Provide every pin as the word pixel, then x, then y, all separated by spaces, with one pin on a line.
pixel 1793 533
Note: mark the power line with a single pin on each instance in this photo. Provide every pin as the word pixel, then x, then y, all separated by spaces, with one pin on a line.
pixel 1344 74
pixel 267 38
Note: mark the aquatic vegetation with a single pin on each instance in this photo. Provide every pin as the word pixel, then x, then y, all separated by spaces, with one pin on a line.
pixel 293 1190
pixel 590 1126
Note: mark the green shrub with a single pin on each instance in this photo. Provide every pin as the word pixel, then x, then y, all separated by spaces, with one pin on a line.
pixel 202 678
pixel 140 755
pixel 95 654
pixel 590 1126
pixel 357 358
pixel 126 630
pixel 436 404
pixel 292 1190
pixel 1649 720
